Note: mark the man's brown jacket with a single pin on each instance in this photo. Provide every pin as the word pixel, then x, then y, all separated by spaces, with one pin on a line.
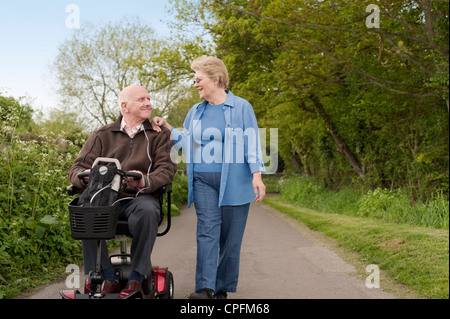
pixel 111 141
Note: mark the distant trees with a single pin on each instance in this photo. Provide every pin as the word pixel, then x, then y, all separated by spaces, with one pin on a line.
pixel 99 61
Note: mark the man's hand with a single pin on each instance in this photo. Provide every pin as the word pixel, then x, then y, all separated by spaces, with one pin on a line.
pixel 135 183
pixel 86 179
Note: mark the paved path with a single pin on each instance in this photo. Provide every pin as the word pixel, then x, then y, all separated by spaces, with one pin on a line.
pixel 278 261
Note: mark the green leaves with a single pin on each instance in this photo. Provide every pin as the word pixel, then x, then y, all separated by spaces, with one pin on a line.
pixel 34 225
pixel 353 105
pixel 40 227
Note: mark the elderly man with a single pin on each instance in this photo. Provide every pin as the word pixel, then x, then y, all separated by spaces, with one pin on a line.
pixel 139 148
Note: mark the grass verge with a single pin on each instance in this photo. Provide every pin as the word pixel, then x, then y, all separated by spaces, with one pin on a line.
pixel 417 257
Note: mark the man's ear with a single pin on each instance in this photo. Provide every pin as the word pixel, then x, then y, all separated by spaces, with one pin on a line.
pixel 124 107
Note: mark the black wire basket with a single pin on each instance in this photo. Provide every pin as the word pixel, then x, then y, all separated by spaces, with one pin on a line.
pixel 98 222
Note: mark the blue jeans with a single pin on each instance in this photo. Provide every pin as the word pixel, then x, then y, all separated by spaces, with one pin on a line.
pixel 219 236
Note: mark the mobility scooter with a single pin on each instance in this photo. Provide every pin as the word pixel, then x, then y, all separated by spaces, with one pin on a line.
pixel 98 220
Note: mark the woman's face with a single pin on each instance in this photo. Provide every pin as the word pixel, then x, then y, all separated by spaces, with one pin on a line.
pixel 205 85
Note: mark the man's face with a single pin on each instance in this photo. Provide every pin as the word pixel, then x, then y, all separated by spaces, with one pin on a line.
pixel 138 108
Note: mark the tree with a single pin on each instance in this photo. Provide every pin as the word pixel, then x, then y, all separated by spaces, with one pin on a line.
pixel 98 62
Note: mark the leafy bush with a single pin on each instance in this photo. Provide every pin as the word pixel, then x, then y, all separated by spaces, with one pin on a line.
pixel 179 192
pixel 391 206
pixel 395 206
pixel 307 192
pixel 34 225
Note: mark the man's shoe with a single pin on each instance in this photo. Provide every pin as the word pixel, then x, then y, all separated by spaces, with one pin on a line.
pixel 221 295
pixel 204 293
pixel 110 288
pixel 134 285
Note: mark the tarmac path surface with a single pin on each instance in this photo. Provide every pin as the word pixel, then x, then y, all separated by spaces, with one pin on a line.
pixel 278 261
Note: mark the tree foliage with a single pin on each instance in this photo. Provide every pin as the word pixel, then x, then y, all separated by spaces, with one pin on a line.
pixel 353 104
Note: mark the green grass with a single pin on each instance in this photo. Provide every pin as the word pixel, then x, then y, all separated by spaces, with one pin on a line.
pixel 417 257
pixel 387 205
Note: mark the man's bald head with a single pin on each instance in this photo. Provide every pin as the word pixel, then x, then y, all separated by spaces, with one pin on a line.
pixel 134 102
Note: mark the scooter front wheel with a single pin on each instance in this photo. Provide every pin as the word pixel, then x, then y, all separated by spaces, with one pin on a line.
pixel 169 291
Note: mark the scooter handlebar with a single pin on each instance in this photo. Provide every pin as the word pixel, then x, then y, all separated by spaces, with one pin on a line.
pixel 82 175
pixel 136 176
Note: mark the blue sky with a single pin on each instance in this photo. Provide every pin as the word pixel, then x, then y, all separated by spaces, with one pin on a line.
pixel 31 31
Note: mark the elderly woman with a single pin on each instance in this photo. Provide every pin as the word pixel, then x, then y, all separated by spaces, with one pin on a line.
pixel 223 156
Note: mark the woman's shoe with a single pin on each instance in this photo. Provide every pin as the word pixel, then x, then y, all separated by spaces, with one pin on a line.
pixel 221 295
pixel 204 293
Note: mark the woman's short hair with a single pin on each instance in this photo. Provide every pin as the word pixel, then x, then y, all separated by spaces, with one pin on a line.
pixel 212 66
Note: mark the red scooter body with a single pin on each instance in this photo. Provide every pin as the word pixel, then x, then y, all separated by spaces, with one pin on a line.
pixel 158 286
